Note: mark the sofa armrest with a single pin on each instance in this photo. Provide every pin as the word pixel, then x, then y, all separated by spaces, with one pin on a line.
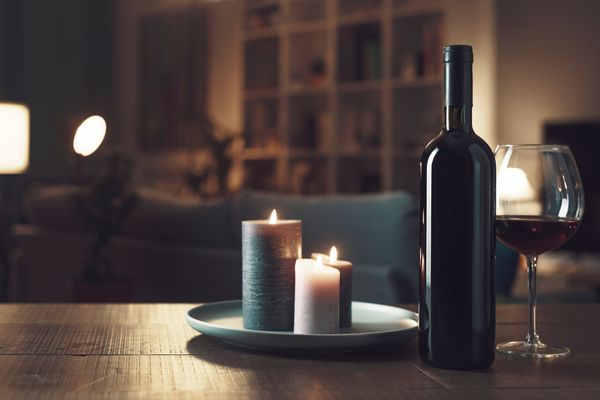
pixel 382 284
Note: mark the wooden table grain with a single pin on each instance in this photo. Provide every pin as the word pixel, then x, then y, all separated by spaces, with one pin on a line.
pixel 147 351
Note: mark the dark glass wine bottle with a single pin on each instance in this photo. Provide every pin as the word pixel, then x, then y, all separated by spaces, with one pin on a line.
pixel 457 241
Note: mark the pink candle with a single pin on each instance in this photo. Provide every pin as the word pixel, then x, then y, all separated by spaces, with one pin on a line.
pixel 345 268
pixel 317 298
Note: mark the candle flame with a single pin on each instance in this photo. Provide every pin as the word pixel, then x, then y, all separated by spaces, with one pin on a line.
pixel 333 255
pixel 273 218
pixel 319 262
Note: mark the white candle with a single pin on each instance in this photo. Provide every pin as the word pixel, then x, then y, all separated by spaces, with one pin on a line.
pixel 317 298
pixel 345 268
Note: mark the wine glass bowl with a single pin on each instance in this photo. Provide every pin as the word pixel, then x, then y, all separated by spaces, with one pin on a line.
pixel 539 206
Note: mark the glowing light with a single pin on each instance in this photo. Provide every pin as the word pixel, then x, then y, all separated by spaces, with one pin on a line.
pixel 319 262
pixel 513 184
pixel 273 217
pixel 89 135
pixel 333 254
pixel 14 138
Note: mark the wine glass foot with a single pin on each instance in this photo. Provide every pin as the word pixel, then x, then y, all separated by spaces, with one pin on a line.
pixel 540 350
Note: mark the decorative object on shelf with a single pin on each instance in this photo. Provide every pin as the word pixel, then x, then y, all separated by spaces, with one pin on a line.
pixel 212 178
pixel 269 252
pixel 317 298
pixel 105 198
pixel 317 76
pixel 345 268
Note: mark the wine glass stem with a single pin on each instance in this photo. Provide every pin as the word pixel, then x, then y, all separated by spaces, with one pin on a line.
pixel 533 338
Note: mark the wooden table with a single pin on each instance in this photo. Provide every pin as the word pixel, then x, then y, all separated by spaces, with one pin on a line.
pixel 147 351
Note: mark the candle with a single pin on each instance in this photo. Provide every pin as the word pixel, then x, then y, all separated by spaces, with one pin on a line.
pixel 317 304
pixel 345 268
pixel 269 252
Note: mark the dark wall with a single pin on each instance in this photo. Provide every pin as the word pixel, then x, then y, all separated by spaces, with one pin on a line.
pixel 57 57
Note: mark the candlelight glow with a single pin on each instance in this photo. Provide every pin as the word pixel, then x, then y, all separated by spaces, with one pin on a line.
pixel 89 135
pixel 319 262
pixel 333 254
pixel 273 218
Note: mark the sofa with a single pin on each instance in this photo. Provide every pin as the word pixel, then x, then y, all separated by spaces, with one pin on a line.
pixel 175 250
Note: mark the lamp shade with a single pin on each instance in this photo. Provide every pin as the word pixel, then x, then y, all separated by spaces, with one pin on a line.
pixel 14 138
pixel 89 135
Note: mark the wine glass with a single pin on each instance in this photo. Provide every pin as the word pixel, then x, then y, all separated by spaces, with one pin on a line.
pixel 539 205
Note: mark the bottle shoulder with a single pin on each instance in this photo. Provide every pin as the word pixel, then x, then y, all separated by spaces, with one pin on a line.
pixel 457 143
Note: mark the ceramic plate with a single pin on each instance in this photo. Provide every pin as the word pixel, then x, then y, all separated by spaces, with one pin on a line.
pixel 372 324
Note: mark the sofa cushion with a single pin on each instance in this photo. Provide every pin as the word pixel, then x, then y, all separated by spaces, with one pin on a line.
pixel 380 229
pixel 52 207
pixel 156 217
pixel 188 222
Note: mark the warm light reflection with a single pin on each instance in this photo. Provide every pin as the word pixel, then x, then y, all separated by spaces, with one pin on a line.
pixel 273 217
pixel 333 254
pixel 89 135
pixel 513 184
pixel 14 138
pixel 319 262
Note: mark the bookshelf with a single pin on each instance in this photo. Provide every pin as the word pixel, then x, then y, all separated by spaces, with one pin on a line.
pixel 339 95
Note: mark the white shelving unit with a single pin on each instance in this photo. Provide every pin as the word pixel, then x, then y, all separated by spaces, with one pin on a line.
pixel 340 95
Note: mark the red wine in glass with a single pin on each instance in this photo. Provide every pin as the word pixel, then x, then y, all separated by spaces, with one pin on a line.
pixel 536 179
pixel 534 235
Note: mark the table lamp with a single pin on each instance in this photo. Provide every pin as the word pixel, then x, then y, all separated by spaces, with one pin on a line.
pixel 14 159
pixel 14 138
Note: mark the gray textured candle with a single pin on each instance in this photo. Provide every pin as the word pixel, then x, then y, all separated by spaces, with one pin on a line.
pixel 269 253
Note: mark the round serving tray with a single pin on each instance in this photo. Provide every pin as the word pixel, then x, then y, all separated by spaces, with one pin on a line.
pixel 372 324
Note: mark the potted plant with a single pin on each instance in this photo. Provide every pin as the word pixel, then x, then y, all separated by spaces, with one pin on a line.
pixel 105 198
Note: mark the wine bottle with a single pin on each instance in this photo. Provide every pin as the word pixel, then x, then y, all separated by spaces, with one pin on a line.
pixel 457 239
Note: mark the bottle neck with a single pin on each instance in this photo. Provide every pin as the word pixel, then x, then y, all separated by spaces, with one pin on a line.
pixel 458 93
pixel 458 118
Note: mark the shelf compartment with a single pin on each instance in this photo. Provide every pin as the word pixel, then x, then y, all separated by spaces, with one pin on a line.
pixel 429 81
pixel 359 122
pixel 261 15
pixel 261 59
pixel 307 175
pixel 307 10
pixel 310 123
pixel 260 174
pixel 417 116
pixel 308 60
pixel 361 8
pixel 359 52
pixel 261 125
pixel 360 86
pixel 359 175
pixel 417 47
pixel 405 175
pixel 405 8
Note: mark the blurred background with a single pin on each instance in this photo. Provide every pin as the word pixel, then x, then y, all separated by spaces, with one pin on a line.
pixel 217 111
